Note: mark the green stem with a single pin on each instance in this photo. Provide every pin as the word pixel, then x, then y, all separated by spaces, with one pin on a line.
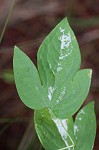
pixel 7 20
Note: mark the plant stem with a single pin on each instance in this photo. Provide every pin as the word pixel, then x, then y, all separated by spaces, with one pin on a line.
pixel 7 20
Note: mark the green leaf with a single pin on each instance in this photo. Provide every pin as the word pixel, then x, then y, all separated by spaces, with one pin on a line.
pixel 62 85
pixel 58 56
pixel 27 81
pixel 54 133
pixel 56 91
pixel 67 99
pixel 85 128
pixel 58 64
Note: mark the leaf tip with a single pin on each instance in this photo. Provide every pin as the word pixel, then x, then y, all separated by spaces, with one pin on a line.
pixel 16 56
pixel 17 52
pixel 90 73
pixel 66 19
pixel 90 105
pixel 15 48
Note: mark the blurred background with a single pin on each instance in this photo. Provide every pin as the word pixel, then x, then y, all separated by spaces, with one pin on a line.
pixel 26 23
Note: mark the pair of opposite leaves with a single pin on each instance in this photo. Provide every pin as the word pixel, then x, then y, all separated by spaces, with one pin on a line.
pixel 58 85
